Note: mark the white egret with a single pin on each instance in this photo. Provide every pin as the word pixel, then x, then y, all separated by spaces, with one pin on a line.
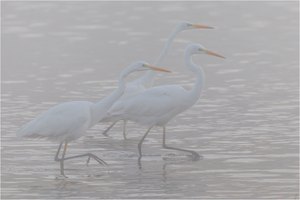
pixel 158 105
pixel 69 121
pixel 146 80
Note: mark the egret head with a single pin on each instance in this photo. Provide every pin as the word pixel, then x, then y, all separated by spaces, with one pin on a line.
pixel 184 25
pixel 200 49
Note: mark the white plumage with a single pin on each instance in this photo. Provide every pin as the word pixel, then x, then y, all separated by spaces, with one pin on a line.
pixel 69 121
pixel 141 84
pixel 63 122
pixel 153 107
pixel 158 105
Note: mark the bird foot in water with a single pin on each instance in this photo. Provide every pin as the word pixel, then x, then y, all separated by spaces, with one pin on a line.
pixel 195 156
pixel 99 160
pixel 173 156
pixel 61 177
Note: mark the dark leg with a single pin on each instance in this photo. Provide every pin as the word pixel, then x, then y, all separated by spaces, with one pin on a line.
pixel 57 153
pixel 140 145
pixel 62 169
pixel 112 125
pixel 195 155
pixel 124 129
pixel 89 155
pixel 63 158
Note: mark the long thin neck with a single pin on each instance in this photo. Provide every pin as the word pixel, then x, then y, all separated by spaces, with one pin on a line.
pixel 100 108
pixel 147 78
pixel 166 48
pixel 195 92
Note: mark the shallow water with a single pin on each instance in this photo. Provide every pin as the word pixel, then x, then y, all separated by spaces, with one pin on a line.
pixel 245 125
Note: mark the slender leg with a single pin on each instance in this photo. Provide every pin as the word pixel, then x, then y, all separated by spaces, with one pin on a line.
pixel 195 155
pixel 141 142
pixel 105 132
pixel 124 129
pixel 57 153
pixel 62 170
pixel 63 158
pixel 89 155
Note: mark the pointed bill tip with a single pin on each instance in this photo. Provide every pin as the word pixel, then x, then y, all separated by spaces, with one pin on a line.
pixel 202 26
pixel 158 69
pixel 208 52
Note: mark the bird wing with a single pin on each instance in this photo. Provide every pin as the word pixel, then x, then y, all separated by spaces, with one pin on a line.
pixel 64 119
pixel 154 102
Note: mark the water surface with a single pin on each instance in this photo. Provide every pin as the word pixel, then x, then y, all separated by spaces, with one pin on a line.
pixel 245 125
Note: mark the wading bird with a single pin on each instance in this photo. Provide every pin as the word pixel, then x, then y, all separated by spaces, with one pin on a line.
pixel 146 80
pixel 68 121
pixel 158 105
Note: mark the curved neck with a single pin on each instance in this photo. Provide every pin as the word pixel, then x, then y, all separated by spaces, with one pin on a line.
pixel 147 78
pixel 195 92
pixel 166 48
pixel 99 109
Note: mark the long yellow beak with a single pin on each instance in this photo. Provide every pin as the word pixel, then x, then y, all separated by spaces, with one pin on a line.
pixel 157 68
pixel 208 52
pixel 202 26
